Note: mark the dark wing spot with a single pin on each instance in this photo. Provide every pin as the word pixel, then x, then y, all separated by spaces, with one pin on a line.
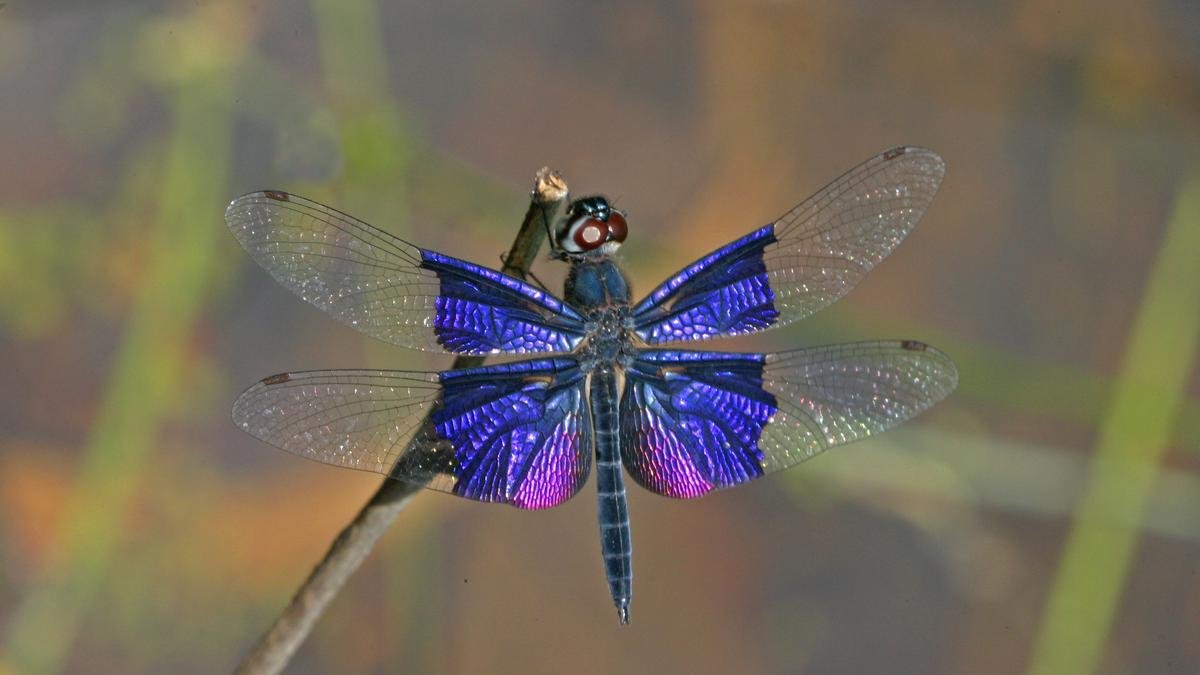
pixel 895 152
pixel 276 195
pixel 277 379
pixel 914 346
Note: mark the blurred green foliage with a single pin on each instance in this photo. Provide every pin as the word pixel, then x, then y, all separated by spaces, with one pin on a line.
pixel 1133 440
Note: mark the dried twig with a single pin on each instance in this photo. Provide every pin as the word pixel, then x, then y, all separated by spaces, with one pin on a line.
pixel 275 648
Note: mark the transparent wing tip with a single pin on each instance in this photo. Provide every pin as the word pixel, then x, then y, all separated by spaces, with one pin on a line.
pixel 248 406
pixel 929 160
pixel 945 370
pixel 250 198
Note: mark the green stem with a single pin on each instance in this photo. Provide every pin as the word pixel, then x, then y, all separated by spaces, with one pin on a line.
pixel 1148 396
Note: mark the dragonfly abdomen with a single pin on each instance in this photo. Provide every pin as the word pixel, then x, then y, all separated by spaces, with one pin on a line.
pixel 612 507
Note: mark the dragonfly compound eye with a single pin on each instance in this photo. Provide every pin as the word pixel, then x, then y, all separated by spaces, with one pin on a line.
pixel 618 229
pixel 590 233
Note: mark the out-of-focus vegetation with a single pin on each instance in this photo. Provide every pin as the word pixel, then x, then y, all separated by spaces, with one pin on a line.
pixel 1046 518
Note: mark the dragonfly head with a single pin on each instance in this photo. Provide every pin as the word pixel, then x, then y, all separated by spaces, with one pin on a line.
pixel 591 225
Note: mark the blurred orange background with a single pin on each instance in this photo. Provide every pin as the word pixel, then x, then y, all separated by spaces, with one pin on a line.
pixel 1045 518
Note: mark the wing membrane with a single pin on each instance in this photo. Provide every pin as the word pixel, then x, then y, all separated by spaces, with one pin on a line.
pixel 392 290
pixel 804 261
pixel 517 433
pixel 695 421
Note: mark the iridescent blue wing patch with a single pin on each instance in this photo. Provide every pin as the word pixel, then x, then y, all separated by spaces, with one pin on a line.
pixel 693 422
pixel 521 432
pixel 517 433
pixel 804 261
pixel 392 290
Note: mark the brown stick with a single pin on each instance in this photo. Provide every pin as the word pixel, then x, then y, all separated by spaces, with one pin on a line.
pixel 277 646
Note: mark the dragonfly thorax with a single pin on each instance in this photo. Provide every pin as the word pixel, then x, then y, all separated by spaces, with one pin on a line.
pixel 610 339
pixel 597 288
pixel 595 283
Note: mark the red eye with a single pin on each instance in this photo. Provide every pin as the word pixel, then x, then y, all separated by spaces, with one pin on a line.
pixel 618 229
pixel 590 234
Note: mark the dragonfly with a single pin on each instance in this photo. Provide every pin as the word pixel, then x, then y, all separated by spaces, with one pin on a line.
pixel 602 376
